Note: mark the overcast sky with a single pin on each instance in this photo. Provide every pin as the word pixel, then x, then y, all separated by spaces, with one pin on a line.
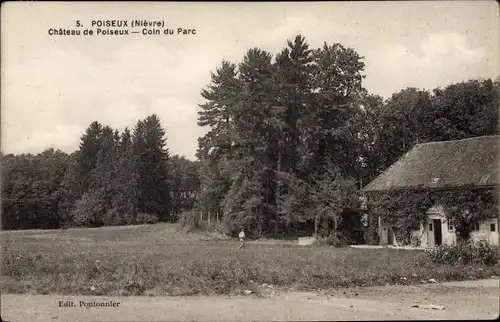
pixel 53 87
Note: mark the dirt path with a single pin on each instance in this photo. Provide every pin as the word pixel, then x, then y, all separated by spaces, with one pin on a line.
pixel 462 300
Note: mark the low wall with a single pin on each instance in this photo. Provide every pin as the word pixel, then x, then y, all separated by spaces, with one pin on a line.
pixel 306 241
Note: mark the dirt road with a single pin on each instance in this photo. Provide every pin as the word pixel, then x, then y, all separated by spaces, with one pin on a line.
pixel 461 300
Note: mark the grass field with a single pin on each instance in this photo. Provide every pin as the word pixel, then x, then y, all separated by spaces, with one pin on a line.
pixel 161 260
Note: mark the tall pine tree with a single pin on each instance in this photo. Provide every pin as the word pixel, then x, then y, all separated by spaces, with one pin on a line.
pixel 151 156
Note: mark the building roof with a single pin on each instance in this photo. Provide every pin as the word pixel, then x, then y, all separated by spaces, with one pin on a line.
pixel 443 164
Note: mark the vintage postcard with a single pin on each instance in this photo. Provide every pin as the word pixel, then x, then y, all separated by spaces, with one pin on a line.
pixel 249 161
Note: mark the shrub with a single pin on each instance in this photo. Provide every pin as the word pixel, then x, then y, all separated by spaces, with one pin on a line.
pixel 143 218
pixel 89 209
pixel 370 235
pixel 465 253
pixel 112 217
pixel 323 241
pixel 332 240
pixel 189 219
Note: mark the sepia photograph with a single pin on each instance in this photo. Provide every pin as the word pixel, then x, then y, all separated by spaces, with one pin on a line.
pixel 249 161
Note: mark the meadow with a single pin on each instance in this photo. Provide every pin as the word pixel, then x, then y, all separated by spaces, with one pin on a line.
pixel 162 259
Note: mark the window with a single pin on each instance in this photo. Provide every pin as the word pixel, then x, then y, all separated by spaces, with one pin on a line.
pixel 450 225
pixel 430 227
pixel 364 220
pixel 476 226
pixel 492 227
pixel 485 178
pixel 363 203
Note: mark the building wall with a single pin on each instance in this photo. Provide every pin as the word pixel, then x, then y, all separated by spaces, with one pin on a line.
pixel 422 237
pixel 485 234
pixel 448 236
pixel 384 231
pixel 419 236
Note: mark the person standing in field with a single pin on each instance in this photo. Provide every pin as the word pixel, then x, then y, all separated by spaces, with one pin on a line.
pixel 241 235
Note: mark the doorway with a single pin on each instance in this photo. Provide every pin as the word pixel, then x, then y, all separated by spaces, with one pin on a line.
pixel 390 237
pixel 438 233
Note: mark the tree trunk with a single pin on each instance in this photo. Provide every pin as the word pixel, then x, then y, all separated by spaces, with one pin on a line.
pixel 278 169
pixel 316 223
pixel 209 218
pixel 463 234
pixel 335 226
pixel 259 221
pixel 217 216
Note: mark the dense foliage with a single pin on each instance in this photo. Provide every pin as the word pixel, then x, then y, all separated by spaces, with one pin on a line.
pixel 404 209
pixel 468 205
pixel 465 254
pixel 112 179
pixel 280 128
pixel 291 139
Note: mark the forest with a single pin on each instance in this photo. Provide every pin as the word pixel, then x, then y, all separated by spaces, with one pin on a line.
pixel 292 137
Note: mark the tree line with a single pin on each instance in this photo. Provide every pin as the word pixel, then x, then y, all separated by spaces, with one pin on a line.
pixel 112 179
pixel 295 135
pixel 291 139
